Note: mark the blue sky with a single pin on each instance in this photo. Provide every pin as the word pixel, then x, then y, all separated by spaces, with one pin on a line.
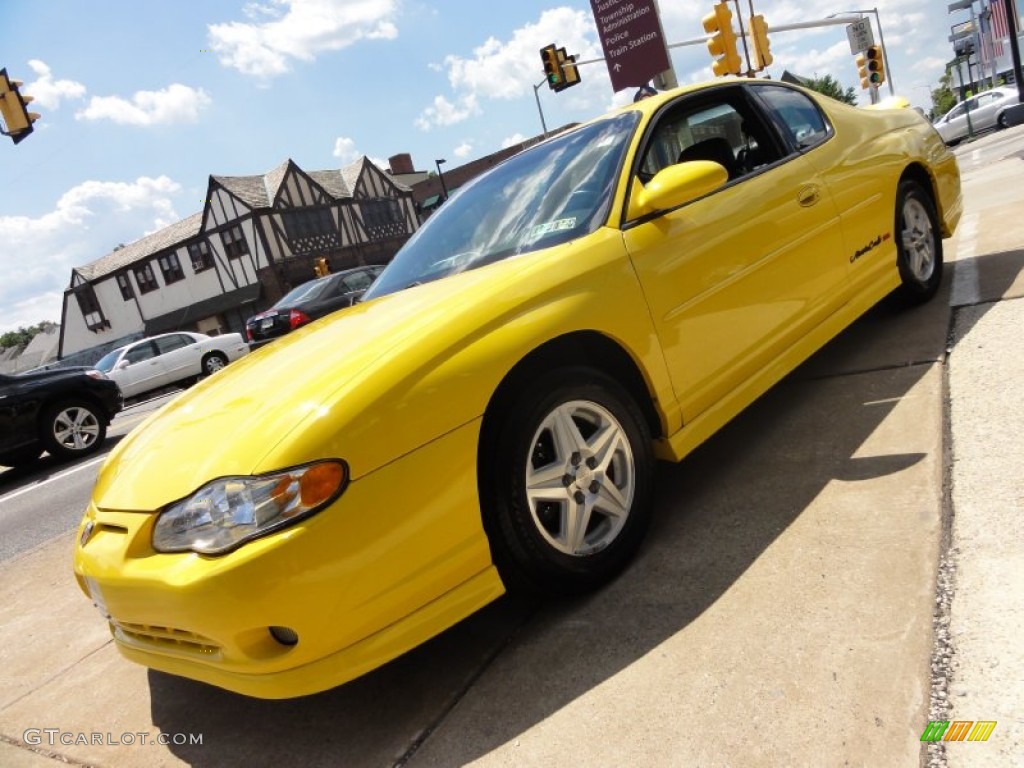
pixel 142 100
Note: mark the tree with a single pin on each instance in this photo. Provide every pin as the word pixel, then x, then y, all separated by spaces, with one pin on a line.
pixel 943 98
pixel 829 86
pixel 23 335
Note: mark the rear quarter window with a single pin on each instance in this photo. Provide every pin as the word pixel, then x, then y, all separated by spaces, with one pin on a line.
pixel 799 118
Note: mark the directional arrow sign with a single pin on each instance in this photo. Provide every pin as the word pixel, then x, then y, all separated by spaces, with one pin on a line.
pixel 633 41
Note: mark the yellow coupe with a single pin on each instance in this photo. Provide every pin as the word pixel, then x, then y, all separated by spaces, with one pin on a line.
pixel 488 417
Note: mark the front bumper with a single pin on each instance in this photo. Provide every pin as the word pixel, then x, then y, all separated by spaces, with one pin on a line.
pixel 398 558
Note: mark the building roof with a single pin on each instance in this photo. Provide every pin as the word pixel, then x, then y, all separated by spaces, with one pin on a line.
pixel 257 191
pixel 332 182
pixel 143 247
pixel 251 190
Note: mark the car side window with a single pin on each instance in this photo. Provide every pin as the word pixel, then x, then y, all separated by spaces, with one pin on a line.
pixel 170 343
pixel 142 352
pixel 723 130
pixel 797 114
pixel 956 112
pixel 358 281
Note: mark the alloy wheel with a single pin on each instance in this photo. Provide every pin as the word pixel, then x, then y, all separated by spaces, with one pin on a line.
pixel 580 478
pixel 918 239
pixel 76 428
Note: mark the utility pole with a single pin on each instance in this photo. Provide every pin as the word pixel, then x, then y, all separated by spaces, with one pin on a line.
pixel 539 110
pixel 1012 24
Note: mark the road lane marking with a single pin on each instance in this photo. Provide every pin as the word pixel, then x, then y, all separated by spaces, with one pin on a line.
pixel 41 483
pixel 966 290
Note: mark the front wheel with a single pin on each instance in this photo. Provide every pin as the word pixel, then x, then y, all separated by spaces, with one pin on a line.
pixel 571 484
pixel 918 243
pixel 214 362
pixel 72 429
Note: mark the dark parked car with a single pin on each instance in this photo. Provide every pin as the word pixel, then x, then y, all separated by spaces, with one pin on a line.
pixel 308 302
pixel 64 411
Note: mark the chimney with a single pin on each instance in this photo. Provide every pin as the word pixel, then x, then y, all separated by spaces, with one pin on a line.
pixel 400 164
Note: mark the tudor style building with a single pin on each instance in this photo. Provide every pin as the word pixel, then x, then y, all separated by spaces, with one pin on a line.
pixel 257 237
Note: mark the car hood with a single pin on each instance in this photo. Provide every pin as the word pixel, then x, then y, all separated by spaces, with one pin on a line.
pixel 54 373
pixel 334 370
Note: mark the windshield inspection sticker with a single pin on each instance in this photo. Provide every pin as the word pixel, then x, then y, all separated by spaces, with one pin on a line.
pixel 548 227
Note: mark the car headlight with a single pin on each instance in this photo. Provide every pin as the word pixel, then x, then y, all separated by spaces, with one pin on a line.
pixel 227 512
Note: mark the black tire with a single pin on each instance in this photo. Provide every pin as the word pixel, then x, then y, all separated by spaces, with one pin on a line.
pixel 213 362
pixel 21 457
pixel 612 488
pixel 918 243
pixel 72 429
pixel 1003 121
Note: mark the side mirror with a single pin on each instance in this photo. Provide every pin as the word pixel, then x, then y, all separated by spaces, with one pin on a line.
pixel 122 365
pixel 676 185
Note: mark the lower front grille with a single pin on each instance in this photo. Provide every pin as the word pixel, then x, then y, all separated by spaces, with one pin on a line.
pixel 166 639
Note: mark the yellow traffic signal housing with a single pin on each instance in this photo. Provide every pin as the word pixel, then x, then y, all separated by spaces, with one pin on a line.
pixel 871 67
pixel 552 70
pixel 722 44
pixel 321 267
pixel 559 68
pixel 762 46
pixel 567 66
pixel 14 109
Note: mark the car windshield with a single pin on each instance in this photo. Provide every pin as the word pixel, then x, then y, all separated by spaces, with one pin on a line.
pixel 304 292
pixel 106 363
pixel 555 192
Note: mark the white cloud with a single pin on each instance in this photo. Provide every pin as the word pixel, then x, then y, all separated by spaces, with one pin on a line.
pixel 86 223
pixel 443 112
pixel 299 29
pixel 508 70
pixel 345 150
pixel 512 140
pixel 174 104
pixel 463 149
pixel 47 92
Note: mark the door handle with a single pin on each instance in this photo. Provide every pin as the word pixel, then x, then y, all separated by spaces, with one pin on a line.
pixel 808 196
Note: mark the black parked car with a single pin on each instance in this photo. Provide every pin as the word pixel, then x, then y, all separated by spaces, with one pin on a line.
pixel 65 411
pixel 308 302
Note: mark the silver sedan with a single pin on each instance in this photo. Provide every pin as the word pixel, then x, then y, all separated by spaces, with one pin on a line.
pixel 986 110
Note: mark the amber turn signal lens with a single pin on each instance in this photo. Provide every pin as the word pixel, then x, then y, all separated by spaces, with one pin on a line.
pixel 320 482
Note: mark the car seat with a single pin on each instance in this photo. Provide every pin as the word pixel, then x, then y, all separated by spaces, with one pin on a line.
pixel 715 149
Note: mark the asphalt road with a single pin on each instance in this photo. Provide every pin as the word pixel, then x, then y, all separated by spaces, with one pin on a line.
pixel 48 498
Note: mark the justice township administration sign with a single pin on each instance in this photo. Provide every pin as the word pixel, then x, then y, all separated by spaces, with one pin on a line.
pixel 633 41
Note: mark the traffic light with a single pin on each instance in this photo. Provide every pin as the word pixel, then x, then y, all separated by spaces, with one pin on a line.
pixel 567 66
pixel 553 72
pixel 871 67
pixel 14 109
pixel 722 44
pixel 321 267
pixel 559 68
pixel 762 46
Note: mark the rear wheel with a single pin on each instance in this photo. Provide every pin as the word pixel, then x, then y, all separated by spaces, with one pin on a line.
pixel 72 429
pixel 213 362
pixel 571 484
pixel 1003 121
pixel 918 242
